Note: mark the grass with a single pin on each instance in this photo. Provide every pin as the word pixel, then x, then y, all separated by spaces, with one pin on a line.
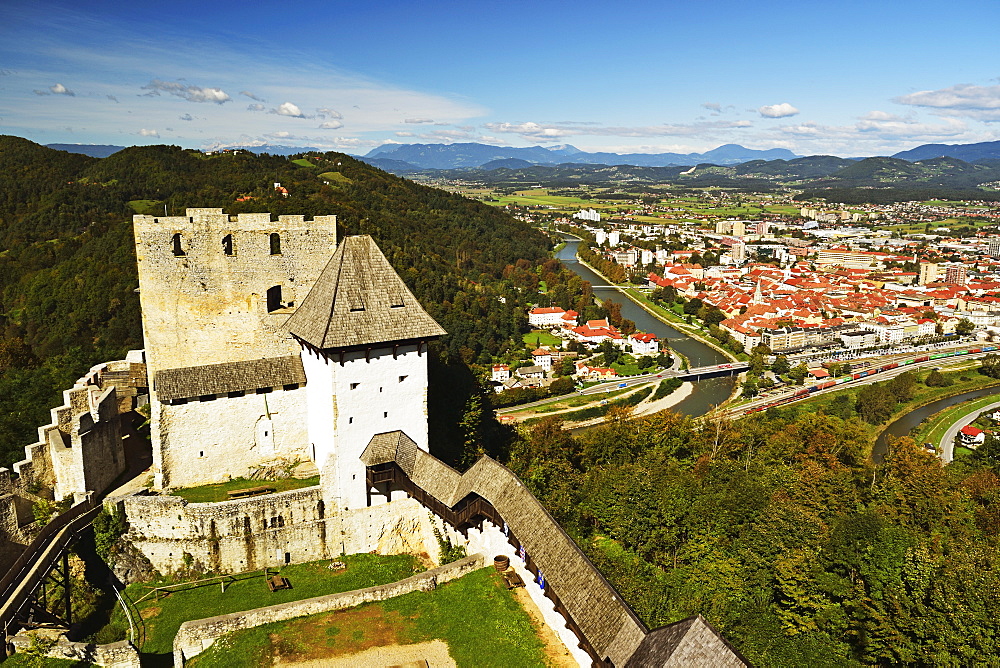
pixel 479 619
pixel 219 491
pixel 336 177
pixel 923 396
pixel 162 618
pixel 933 428
pixel 148 207
pixel 26 661
pixel 302 162
pixel 575 401
pixel 542 337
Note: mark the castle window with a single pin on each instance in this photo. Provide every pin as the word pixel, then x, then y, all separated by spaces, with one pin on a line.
pixel 275 243
pixel 385 414
pixel 354 386
pixel 177 248
pixel 290 386
pixel 273 298
pixel 350 420
pixel 227 245
pixel 402 378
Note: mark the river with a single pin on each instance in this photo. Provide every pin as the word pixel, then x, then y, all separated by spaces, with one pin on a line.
pixel 707 393
pixel 905 424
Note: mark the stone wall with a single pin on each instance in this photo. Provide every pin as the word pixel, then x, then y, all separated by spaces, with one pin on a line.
pixel 350 400
pixel 201 442
pixel 208 303
pixel 115 655
pixel 269 531
pixel 196 636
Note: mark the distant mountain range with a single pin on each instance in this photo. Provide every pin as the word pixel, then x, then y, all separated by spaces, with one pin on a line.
pixel 567 161
pixel 93 150
pixel 476 156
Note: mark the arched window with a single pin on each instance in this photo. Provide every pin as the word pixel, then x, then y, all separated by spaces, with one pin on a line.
pixel 275 243
pixel 177 248
pixel 227 245
pixel 273 298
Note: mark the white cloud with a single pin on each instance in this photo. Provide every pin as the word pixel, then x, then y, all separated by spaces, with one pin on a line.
pixel 554 131
pixel 148 133
pixel 326 112
pixel 186 117
pixel 330 125
pixel 712 106
pixel 288 109
pixel 981 103
pixel 252 96
pixel 782 110
pixel 59 89
pixel 959 96
pixel 405 134
pixel 256 107
pixel 190 93
pixel 416 121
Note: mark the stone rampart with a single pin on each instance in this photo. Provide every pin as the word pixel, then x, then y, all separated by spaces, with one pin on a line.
pixel 196 636
pixel 269 531
pixel 115 655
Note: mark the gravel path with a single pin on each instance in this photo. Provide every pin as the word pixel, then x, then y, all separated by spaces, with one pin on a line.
pixel 435 653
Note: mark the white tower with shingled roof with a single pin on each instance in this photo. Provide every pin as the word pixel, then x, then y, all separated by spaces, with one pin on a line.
pixel 364 340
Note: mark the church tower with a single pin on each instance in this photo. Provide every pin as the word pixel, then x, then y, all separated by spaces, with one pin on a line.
pixel 363 339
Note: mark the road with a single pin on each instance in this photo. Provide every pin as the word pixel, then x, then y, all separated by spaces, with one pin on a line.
pixel 947 447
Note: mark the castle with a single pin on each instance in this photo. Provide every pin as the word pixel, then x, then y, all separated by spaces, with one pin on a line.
pixel 269 346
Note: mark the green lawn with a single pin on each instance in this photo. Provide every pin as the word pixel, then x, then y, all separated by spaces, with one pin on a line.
pixel 163 617
pixel 219 491
pixel 302 162
pixel 480 620
pixel 148 207
pixel 336 177
pixel 542 337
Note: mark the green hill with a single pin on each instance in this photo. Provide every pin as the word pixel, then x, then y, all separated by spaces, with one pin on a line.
pixel 68 276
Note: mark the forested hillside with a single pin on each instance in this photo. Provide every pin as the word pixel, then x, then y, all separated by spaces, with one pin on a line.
pixel 67 262
pixel 780 530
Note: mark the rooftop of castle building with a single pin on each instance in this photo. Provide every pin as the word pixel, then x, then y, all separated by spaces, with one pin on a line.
pixel 360 300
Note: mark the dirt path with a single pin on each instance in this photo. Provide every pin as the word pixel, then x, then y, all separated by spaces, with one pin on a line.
pixel 435 653
pixel 555 650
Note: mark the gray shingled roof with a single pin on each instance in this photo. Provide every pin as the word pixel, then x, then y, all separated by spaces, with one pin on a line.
pixel 691 642
pixel 359 300
pixel 604 618
pixel 197 381
pixel 608 623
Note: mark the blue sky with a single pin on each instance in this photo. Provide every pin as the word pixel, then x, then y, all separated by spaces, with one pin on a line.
pixel 842 77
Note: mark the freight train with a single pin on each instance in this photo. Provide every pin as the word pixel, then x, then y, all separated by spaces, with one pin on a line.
pixel 858 375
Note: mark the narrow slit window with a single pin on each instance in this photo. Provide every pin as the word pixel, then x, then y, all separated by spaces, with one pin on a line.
pixel 227 245
pixel 273 298
pixel 178 249
pixel 275 243
pixel 354 386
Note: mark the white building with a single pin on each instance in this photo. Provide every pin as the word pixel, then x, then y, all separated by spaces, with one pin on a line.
pixel 547 316
pixel 588 214
pixel 644 344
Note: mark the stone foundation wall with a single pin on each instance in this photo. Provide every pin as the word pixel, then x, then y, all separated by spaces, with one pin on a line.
pixel 269 531
pixel 196 636
pixel 115 655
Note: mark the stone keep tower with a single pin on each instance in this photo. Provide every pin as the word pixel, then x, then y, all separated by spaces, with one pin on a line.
pixel 225 378
pixel 217 288
pixel 363 336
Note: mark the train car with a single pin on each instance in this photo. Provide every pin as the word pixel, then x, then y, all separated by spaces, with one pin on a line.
pixel 937 356
pixel 856 376
pixel 906 362
pixel 961 352
pixel 827 384
pixel 922 358
pixel 987 349
pixel 800 393
pixel 976 350
pixel 887 367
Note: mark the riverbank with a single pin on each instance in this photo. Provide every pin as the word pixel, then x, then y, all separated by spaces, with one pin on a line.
pixel 643 409
pixel 683 327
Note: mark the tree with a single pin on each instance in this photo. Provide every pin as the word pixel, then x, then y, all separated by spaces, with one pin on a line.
pixel 935 379
pixel 875 403
pixel 692 306
pixel 750 387
pixel 780 365
pixel 610 351
pixel 964 327
pixel 903 386
pixel 798 373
